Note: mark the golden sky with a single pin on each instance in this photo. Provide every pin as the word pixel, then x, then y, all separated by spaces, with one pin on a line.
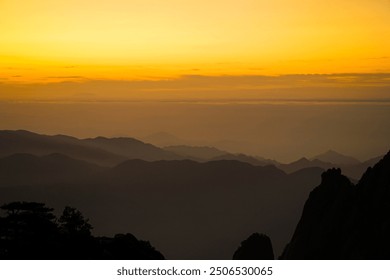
pixel 52 41
pixel 277 78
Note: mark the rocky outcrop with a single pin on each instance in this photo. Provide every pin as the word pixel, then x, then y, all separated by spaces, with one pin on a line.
pixel 345 221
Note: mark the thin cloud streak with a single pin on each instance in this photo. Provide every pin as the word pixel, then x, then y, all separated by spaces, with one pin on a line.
pixel 347 87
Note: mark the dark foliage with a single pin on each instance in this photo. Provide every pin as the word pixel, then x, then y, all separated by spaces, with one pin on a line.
pixel 30 230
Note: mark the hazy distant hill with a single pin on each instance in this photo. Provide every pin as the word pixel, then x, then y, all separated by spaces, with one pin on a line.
pixel 371 162
pixel 204 153
pixel 344 221
pixel 163 139
pixel 196 152
pixel 304 163
pixel 112 151
pixel 336 158
pixel 351 168
pixel 131 148
pixel 245 158
pixel 20 141
pixel 100 150
pixel 189 210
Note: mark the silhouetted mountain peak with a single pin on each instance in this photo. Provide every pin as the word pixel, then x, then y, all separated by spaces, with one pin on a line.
pixel 343 221
pixel 255 247
pixel 332 176
pixel 302 163
pixel 333 182
pixel 377 176
pixel 65 137
pixel 303 160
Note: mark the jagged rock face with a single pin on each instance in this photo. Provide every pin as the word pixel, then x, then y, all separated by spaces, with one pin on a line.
pixel 370 237
pixel 256 247
pixel 343 221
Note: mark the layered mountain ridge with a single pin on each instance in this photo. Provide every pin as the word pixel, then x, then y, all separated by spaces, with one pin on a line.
pixel 112 151
pixel 192 206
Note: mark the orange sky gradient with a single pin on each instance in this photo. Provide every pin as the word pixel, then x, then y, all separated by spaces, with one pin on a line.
pixel 45 41
pixel 278 78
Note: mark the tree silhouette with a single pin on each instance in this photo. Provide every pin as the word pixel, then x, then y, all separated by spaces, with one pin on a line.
pixel 72 222
pixel 30 230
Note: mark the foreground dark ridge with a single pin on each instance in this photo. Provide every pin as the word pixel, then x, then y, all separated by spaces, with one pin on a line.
pixel 345 221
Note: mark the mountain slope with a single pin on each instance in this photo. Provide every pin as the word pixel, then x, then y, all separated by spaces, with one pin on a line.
pixel 189 210
pixel 244 158
pixel 131 148
pixel 205 153
pixel 27 169
pixel 196 152
pixel 20 141
pixel 336 158
pixel 100 150
pixel 304 163
pixel 163 139
pixel 352 170
pixel 343 221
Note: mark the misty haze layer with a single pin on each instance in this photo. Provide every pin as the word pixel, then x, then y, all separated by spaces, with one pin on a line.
pixel 284 131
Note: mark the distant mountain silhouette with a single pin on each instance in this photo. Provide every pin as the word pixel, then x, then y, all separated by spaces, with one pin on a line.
pixel 304 163
pixel 196 152
pixel 204 153
pixel 163 139
pixel 345 221
pixel 131 148
pixel 371 162
pixel 353 170
pixel 100 150
pixel 256 247
pixel 185 207
pixel 245 158
pixel 336 158
pixel 112 151
pixel 20 141
pixel 228 144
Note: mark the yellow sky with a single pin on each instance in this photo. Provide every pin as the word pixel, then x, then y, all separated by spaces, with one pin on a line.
pixel 52 40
